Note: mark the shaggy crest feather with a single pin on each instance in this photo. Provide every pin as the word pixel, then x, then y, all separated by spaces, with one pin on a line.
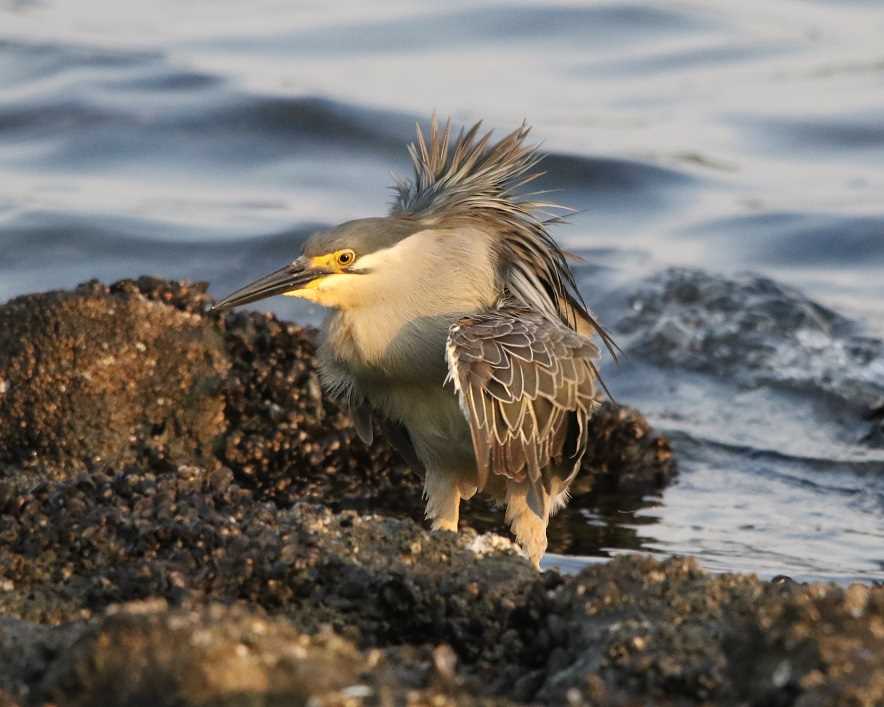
pixel 474 180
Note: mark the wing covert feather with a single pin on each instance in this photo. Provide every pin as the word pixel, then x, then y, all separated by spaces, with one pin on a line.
pixel 523 379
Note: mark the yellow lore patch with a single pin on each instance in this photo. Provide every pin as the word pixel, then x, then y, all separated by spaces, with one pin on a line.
pixel 320 289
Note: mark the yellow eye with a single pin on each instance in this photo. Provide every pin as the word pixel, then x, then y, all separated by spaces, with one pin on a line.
pixel 345 257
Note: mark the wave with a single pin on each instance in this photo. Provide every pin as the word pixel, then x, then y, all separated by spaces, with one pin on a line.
pixel 754 332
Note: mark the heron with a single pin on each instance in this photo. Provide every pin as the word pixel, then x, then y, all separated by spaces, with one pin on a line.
pixel 455 326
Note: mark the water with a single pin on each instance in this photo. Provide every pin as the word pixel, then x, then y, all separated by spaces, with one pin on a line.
pixel 727 160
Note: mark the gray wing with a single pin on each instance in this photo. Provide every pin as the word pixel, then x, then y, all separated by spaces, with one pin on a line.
pixel 361 414
pixel 398 436
pixel 526 384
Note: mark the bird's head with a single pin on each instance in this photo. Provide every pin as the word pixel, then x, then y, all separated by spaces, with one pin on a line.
pixel 458 238
pixel 342 267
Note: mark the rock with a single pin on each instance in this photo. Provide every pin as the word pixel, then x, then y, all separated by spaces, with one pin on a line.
pixel 624 455
pixel 738 326
pixel 90 373
pixel 633 631
pixel 668 631
pixel 103 377
pixel 360 595
pixel 218 655
pixel 289 442
pixel 26 650
pixel 212 655
pixel 241 546
pixel 754 331
pixel 71 549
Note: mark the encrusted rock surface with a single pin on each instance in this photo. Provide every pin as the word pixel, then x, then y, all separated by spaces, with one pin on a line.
pixel 138 373
pixel 633 631
pixel 193 523
pixel 89 374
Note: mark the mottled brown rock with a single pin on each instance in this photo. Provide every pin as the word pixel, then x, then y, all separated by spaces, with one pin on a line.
pixel 150 654
pixel 143 654
pixel 139 372
pixel 70 549
pixel 252 491
pixel 87 374
pixel 670 632
pixel 632 632
pixel 290 442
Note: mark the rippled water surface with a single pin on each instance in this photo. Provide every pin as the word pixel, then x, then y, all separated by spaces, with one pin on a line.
pixel 726 159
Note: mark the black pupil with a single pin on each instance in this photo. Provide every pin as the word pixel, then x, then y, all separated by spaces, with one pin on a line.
pixel 344 258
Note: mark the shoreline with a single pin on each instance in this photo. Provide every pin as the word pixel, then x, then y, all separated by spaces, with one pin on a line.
pixel 185 519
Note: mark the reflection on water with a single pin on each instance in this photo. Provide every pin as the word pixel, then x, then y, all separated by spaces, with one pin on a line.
pixel 205 140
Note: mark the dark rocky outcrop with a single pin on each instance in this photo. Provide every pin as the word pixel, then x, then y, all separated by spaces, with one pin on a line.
pixel 633 631
pixel 138 372
pixel 88 375
pixel 185 519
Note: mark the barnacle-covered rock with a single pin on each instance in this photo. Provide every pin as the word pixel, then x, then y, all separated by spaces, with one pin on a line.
pixel 86 376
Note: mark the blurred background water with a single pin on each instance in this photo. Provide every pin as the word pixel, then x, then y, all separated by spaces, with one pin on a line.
pixel 726 159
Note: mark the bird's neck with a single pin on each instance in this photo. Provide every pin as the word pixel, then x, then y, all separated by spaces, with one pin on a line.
pixel 389 342
pixel 399 331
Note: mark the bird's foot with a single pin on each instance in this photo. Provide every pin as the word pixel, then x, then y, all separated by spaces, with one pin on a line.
pixel 443 501
pixel 528 527
pixel 445 524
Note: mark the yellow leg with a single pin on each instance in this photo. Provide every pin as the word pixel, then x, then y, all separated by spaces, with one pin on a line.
pixel 443 500
pixel 528 527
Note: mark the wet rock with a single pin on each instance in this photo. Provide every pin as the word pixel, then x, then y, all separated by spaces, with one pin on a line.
pixel 694 319
pixel 625 455
pixel 875 416
pixel 756 330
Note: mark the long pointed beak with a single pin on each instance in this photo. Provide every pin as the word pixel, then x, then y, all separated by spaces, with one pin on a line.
pixel 292 277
